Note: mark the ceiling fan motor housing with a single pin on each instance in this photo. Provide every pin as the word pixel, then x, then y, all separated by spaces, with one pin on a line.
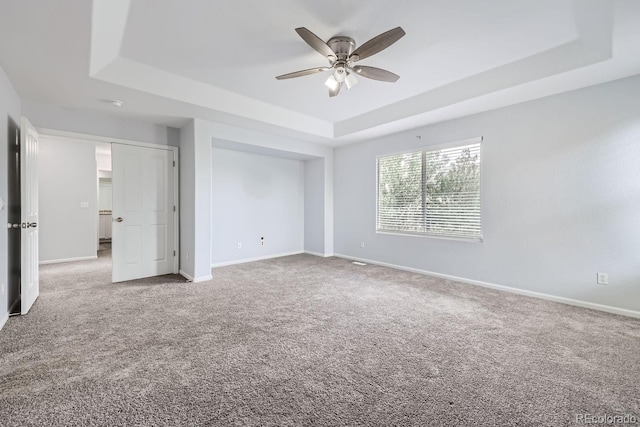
pixel 342 46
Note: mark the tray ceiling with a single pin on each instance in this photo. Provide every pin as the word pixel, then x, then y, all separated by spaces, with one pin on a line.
pixel 218 60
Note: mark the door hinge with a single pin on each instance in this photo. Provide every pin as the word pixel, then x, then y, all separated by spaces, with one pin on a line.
pixel 174 163
pixel 174 253
pixel 174 208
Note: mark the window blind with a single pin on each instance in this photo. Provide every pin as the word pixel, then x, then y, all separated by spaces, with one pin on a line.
pixel 434 192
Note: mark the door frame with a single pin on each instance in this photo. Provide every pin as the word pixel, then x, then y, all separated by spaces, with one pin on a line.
pixel 176 187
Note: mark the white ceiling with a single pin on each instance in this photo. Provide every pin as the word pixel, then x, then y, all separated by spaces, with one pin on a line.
pixel 169 61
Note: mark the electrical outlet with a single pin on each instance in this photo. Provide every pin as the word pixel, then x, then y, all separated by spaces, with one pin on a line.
pixel 262 241
pixel 362 244
pixel 602 279
pixel 84 204
pixel 239 245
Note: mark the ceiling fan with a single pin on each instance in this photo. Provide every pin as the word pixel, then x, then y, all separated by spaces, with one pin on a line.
pixel 342 54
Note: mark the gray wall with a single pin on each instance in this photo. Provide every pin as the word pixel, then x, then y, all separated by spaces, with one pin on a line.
pixel 255 196
pixel 67 176
pixel 560 197
pixel 9 110
pixel 314 206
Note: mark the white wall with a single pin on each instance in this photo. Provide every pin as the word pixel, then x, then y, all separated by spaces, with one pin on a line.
pixel 328 205
pixel 67 176
pixel 314 206
pixel 221 132
pixel 195 200
pixel 560 197
pixel 55 117
pixel 255 196
pixel 187 198
pixel 9 110
pixel 196 141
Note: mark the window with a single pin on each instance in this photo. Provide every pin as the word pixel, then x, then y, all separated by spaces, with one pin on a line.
pixel 431 192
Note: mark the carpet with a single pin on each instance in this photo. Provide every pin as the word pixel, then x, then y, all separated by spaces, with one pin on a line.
pixel 303 340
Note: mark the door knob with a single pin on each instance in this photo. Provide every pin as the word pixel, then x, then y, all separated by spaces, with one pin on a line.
pixel 119 219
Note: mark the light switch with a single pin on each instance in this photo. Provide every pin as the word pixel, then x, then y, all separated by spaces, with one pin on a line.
pixel 1 204
pixel 84 204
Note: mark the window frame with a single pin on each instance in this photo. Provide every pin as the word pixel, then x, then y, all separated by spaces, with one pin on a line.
pixel 436 147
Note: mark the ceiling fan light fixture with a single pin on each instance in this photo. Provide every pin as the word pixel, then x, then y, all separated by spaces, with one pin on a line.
pixel 340 74
pixel 332 83
pixel 350 80
pixel 342 53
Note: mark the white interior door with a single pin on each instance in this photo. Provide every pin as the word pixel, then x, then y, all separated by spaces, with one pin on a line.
pixel 143 212
pixel 29 284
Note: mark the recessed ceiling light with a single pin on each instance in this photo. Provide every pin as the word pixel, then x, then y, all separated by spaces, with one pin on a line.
pixel 115 102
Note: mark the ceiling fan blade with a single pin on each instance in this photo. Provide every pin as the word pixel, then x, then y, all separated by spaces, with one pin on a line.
pixel 334 92
pixel 375 73
pixel 302 73
pixel 378 43
pixel 317 43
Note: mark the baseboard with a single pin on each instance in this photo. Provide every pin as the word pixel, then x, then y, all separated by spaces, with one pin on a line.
pixel 245 260
pixel 185 275
pixel 3 321
pixel 318 254
pixel 195 279
pixel 539 295
pixel 60 261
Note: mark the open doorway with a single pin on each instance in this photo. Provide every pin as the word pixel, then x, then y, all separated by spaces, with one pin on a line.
pixel 105 199
pixel 68 180
pixel 14 217
pixel 113 202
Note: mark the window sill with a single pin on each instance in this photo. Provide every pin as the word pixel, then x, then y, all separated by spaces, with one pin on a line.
pixel 431 236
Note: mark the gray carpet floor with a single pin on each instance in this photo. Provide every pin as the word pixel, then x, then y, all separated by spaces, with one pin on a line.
pixel 303 340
